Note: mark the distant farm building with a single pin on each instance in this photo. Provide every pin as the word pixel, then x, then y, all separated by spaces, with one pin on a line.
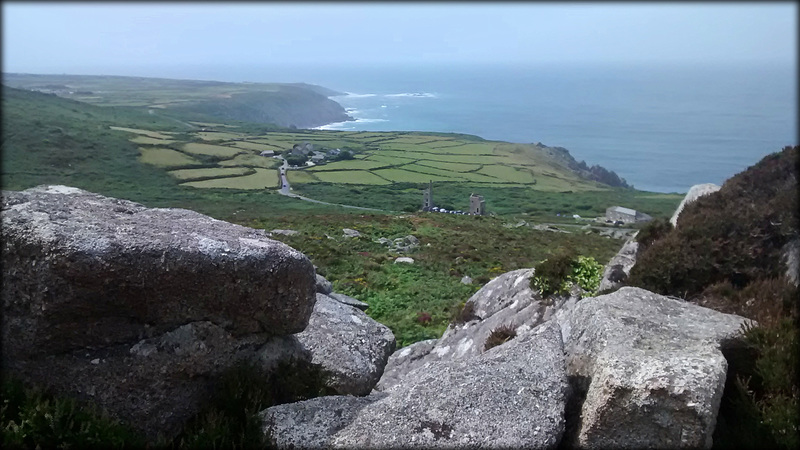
pixel 625 215
pixel 267 153
pixel 477 206
pixel 427 197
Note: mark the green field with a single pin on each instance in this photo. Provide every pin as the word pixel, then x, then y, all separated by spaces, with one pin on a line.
pixel 202 174
pixel 251 160
pixel 166 157
pixel 146 140
pixel 152 134
pixel 211 150
pixel 261 179
pixel 350 177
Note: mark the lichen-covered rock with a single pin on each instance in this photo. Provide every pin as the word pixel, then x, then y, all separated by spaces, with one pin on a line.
pixel 348 344
pixel 139 310
pixel 507 300
pixel 310 423
pixel 347 300
pixel 403 361
pixel 619 268
pixel 695 192
pixel 323 286
pixel 80 269
pixel 512 396
pixel 650 367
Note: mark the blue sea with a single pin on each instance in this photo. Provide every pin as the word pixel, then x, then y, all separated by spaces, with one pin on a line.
pixel 661 127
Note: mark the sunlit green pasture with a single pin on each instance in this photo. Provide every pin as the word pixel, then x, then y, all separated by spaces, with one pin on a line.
pixel 507 173
pixel 199 174
pixel 301 176
pixel 390 159
pixel 166 157
pixel 261 179
pixel 455 167
pixel 152 134
pixel 252 146
pixel 251 160
pixel 407 176
pixel 147 140
pixel 349 165
pixel 218 135
pixel 211 150
pixel 350 177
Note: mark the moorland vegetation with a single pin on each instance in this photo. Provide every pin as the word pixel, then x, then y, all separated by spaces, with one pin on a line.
pixel 174 145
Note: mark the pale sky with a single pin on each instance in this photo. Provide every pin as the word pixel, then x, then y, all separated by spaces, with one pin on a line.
pixel 105 38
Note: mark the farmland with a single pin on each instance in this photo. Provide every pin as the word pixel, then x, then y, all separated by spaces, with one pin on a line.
pixel 387 168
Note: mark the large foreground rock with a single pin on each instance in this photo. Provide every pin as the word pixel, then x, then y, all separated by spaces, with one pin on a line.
pixel 512 396
pixel 136 309
pixel 650 368
pixel 348 344
pixel 80 269
pixel 507 300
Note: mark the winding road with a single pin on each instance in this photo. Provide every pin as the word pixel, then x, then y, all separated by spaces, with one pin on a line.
pixel 286 190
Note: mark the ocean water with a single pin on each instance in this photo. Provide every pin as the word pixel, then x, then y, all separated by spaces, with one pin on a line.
pixel 662 127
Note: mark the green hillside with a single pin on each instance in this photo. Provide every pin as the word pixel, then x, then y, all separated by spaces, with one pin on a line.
pixel 282 104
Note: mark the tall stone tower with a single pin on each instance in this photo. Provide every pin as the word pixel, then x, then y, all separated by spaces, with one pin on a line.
pixel 477 206
pixel 427 197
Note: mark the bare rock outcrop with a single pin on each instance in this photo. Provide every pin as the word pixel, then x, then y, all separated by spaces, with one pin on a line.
pixel 511 396
pixel 348 344
pixel 650 368
pixel 138 309
pixel 619 267
pixel 507 300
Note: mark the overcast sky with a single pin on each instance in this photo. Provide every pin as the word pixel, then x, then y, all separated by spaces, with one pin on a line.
pixel 99 37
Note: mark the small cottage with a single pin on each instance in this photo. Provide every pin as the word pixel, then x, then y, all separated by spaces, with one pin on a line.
pixel 625 215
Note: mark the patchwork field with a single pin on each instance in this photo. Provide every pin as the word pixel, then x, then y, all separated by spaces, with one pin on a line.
pixel 166 157
pixel 379 159
pixel 261 179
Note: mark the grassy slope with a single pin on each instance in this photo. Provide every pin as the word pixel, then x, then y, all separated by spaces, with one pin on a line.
pixel 54 140
pixel 276 103
pixel 451 246
pixel 51 140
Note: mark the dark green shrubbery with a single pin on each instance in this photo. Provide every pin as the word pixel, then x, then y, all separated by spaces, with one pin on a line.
pixel 230 419
pixel 727 254
pixel 32 418
pixel 558 273
pixel 650 233
pixel 734 235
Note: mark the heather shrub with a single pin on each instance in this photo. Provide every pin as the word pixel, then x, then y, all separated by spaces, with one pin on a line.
pixel 465 313
pixel 500 336
pixel 31 417
pixel 653 231
pixel 726 254
pixel 557 274
pixel 551 275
